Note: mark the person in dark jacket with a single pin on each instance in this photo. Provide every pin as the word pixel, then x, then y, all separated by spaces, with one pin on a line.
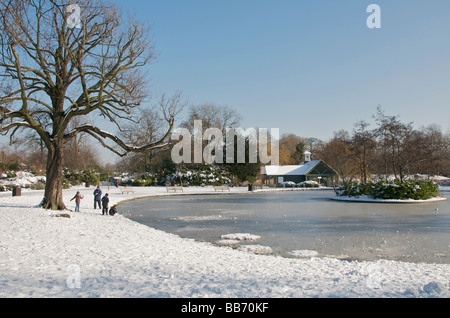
pixel 113 210
pixel 105 202
pixel 97 198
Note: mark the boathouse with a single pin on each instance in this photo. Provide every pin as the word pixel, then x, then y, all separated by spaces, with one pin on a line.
pixel 308 170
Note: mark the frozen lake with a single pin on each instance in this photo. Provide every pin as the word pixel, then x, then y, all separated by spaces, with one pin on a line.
pixel 299 221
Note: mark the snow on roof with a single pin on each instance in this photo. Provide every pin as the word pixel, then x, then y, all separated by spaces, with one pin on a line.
pixel 301 169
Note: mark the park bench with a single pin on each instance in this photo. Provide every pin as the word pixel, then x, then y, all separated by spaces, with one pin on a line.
pixel 222 188
pixel 127 191
pixel 174 188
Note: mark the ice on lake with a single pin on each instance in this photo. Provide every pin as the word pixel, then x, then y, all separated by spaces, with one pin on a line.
pixel 305 221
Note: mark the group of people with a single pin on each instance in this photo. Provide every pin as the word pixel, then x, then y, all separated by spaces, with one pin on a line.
pixel 102 203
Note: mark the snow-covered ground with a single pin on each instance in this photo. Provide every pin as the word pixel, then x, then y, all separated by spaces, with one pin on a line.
pixel 90 255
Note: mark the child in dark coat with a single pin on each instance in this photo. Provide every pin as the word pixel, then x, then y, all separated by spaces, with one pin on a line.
pixel 105 202
pixel 113 210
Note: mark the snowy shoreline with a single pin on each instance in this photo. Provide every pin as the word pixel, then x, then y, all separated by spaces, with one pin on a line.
pixel 90 255
pixel 371 200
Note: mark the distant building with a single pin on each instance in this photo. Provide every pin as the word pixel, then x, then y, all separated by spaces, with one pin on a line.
pixel 308 170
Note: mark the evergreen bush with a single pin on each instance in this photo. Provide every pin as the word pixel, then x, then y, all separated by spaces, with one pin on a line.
pixel 391 190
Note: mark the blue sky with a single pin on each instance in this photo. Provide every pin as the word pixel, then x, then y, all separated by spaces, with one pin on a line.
pixel 307 67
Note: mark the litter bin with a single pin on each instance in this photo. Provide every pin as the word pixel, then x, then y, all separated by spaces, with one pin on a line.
pixel 17 191
pixel 250 187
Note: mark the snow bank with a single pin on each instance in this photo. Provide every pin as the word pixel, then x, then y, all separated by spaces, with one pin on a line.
pixel 256 249
pixel 372 200
pixel 303 253
pixel 228 242
pixel 90 255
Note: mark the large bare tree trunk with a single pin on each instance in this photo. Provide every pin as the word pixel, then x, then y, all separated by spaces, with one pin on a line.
pixel 53 188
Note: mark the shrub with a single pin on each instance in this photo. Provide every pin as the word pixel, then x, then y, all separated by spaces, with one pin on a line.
pixel 391 190
pixel 40 185
pixel 308 184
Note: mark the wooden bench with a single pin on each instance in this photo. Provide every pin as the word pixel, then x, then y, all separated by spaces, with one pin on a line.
pixel 127 191
pixel 222 188
pixel 174 188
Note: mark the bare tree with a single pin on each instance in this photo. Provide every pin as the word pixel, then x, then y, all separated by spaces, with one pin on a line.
pixel 291 149
pixel 436 148
pixel 149 127
pixel 314 145
pixel 396 139
pixel 212 116
pixel 54 71
pixel 338 154
pixel 362 143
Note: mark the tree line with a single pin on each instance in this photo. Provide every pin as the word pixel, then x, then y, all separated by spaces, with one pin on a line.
pixel 392 147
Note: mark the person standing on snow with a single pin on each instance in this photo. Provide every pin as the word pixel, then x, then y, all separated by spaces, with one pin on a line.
pixel 97 198
pixel 77 199
pixel 105 202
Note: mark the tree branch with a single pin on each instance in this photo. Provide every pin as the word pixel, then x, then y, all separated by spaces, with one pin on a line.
pixel 102 135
